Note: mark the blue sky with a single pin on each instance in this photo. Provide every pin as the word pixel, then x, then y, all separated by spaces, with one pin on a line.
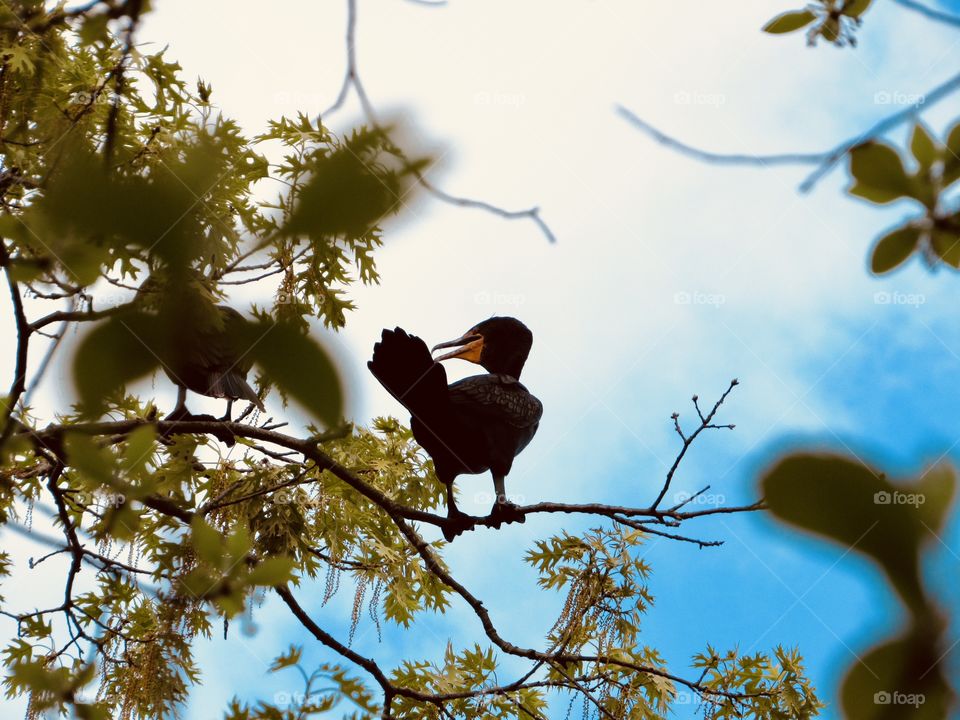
pixel 522 97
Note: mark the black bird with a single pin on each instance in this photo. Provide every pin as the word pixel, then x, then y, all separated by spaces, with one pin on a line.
pixel 214 362
pixel 207 350
pixel 476 424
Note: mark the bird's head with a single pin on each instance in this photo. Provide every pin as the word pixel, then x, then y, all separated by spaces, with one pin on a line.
pixel 499 344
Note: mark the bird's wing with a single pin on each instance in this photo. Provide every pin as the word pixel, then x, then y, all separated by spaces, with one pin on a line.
pixel 403 365
pixel 497 397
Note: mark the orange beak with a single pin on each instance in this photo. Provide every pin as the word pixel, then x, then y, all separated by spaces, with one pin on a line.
pixel 469 347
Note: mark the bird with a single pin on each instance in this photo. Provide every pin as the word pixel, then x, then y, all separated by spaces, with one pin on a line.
pixel 206 352
pixel 213 361
pixel 473 425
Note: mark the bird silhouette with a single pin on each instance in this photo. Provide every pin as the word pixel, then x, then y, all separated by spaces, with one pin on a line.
pixel 205 348
pixel 476 424
pixel 213 361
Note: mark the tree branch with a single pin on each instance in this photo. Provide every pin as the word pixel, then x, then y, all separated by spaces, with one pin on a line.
pixel 351 78
pixel 825 161
pixel 18 385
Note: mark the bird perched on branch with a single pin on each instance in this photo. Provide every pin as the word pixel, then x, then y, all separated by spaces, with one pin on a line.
pixel 476 424
pixel 213 361
pixel 201 346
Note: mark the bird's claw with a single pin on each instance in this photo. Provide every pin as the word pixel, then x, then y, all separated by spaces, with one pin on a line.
pixel 221 433
pixel 179 414
pixel 456 524
pixel 504 511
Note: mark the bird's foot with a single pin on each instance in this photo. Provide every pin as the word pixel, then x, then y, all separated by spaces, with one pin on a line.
pixel 504 511
pixel 179 413
pixel 456 524
pixel 222 434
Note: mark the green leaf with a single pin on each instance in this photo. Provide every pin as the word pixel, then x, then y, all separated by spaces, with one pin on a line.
pixel 830 29
pixel 898 679
pixel 83 260
pixel 878 172
pixel 923 146
pixel 938 486
pixel 18 59
pixel 238 546
pixel 115 352
pixel 856 8
pixel 139 448
pixel 789 22
pixel 299 366
pixel 85 455
pixel 951 170
pixel 353 188
pixel 953 141
pixel 206 541
pixel 856 506
pixel 290 658
pixel 271 571
pixel 893 248
pixel 946 245
pixel 94 28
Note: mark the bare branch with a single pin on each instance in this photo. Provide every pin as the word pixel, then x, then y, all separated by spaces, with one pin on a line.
pixel 351 79
pixel 705 424
pixel 825 161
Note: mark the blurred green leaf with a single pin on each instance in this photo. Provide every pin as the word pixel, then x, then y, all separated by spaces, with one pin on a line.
pixel 856 8
pixel 830 29
pixel 856 506
pixel 789 22
pixel 878 172
pixel 206 541
pixel 272 571
pixel 140 444
pixel 351 188
pixel 894 248
pixel 93 28
pixel 299 366
pixel 951 170
pixel 946 245
pixel 88 457
pixel 899 679
pixel 937 486
pixel 237 546
pixel 923 146
pixel 118 350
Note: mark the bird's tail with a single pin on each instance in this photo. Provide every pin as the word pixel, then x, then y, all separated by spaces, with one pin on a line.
pixel 403 365
pixel 234 386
